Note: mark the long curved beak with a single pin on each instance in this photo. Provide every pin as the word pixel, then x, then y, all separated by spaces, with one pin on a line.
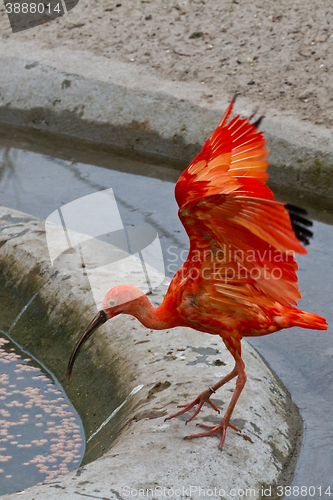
pixel 99 319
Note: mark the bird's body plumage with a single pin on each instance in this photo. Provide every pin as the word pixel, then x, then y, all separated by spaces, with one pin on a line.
pixel 239 278
pixel 240 274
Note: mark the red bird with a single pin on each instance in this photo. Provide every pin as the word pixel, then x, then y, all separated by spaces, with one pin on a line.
pixel 239 279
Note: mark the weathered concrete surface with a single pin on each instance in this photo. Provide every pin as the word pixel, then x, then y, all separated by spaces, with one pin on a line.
pixel 113 103
pixel 173 366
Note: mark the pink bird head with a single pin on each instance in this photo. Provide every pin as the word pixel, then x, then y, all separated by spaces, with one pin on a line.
pixel 120 299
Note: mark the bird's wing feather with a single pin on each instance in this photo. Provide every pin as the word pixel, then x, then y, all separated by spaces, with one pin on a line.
pixel 229 213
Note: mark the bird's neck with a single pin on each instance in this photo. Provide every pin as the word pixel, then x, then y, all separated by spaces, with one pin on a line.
pixel 157 318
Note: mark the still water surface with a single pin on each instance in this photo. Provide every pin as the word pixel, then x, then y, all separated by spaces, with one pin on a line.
pixel 41 436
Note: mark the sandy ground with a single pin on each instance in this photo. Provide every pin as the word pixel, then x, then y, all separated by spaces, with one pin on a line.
pixel 277 54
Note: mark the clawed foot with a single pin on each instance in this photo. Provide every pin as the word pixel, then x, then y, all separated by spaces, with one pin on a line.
pixel 219 430
pixel 200 400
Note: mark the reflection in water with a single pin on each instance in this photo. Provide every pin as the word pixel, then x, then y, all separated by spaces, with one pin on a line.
pixel 7 164
pixel 8 175
pixel 40 437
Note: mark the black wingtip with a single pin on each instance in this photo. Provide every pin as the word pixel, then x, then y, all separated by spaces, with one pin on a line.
pixel 295 208
pixel 258 121
pixel 300 223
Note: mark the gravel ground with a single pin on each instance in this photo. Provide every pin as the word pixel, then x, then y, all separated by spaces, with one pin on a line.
pixel 277 54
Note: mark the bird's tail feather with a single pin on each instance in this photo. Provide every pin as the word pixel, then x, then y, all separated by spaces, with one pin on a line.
pixel 302 319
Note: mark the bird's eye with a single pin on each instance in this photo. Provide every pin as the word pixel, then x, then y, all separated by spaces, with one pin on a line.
pixel 111 303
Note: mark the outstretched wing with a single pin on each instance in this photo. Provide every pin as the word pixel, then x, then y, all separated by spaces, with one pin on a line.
pixel 242 240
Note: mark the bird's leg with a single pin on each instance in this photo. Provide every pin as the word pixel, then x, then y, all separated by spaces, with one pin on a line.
pixel 221 428
pixel 204 397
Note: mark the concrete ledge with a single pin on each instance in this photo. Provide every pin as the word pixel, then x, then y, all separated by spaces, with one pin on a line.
pixel 113 103
pixel 173 367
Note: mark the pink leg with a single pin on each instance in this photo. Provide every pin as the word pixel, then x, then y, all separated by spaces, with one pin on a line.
pixel 221 429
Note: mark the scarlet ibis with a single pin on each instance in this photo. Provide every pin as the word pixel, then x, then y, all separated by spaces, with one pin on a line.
pixel 239 279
